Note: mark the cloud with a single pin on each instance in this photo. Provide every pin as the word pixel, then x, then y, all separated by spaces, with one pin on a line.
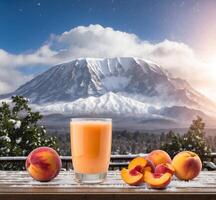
pixel 98 41
pixel 11 79
pixel 40 56
pixel 10 76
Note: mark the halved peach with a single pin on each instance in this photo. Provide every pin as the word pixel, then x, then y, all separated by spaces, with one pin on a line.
pixel 141 164
pixel 131 177
pixel 156 180
pixel 150 166
pixel 163 168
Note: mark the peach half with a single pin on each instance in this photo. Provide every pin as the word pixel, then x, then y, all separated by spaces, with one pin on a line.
pixel 131 177
pixel 156 180
pixel 141 164
pixel 158 157
pixel 187 165
pixel 164 168
pixel 43 164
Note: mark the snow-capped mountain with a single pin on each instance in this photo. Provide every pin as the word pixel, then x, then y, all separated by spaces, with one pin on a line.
pixel 116 87
pixel 109 104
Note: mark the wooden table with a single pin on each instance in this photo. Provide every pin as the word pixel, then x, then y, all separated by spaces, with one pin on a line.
pixel 19 185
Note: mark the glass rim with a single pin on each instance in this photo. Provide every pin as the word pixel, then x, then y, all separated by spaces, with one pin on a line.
pixel 80 119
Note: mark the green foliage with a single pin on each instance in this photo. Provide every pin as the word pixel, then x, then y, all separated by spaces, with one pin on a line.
pixel 19 129
pixel 194 140
pixel 172 143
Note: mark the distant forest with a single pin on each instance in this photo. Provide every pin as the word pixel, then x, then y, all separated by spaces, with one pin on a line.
pixel 21 133
pixel 124 142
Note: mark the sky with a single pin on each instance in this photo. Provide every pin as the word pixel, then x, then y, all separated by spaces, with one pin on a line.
pixel 179 35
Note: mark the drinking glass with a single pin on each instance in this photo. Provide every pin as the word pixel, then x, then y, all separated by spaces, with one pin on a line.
pixel 91 140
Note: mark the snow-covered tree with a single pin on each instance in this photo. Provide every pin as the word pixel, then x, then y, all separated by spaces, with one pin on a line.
pixel 194 140
pixel 20 132
pixel 172 143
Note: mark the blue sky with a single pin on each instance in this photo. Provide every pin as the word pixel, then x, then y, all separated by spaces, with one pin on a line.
pixel 27 24
pixel 178 34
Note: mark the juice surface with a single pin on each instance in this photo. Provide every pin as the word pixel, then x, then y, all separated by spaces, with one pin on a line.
pixel 91 145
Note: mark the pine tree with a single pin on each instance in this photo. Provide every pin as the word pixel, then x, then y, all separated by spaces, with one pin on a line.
pixel 172 144
pixel 20 132
pixel 194 140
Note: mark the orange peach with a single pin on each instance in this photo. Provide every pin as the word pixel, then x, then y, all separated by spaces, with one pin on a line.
pixel 43 164
pixel 164 168
pixel 131 177
pixel 157 181
pixel 141 164
pixel 187 165
pixel 158 157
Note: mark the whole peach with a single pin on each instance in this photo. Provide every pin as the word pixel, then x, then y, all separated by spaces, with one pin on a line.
pixel 187 165
pixel 158 157
pixel 43 164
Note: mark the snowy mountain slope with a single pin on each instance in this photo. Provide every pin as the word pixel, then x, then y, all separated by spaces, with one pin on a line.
pixel 183 114
pixel 117 106
pixel 82 78
pixel 109 104
pixel 86 77
pixel 123 88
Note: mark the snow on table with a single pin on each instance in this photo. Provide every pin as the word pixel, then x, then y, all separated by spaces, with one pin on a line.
pixel 13 182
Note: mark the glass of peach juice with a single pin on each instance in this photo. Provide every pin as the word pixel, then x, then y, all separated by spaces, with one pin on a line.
pixel 91 140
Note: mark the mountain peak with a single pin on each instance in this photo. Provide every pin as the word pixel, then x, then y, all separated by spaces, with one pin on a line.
pixel 133 77
pixel 125 88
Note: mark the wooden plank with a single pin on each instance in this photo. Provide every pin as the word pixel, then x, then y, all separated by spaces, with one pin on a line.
pixel 114 196
pixel 65 180
pixel 19 185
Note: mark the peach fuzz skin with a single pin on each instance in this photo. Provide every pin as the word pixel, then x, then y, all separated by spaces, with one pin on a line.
pixel 158 157
pixel 141 164
pixel 157 181
pixel 43 164
pixel 131 177
pixel 165 168
pixel 187 165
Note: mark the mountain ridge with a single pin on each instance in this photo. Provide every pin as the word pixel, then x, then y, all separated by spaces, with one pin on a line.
pixel 115 87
